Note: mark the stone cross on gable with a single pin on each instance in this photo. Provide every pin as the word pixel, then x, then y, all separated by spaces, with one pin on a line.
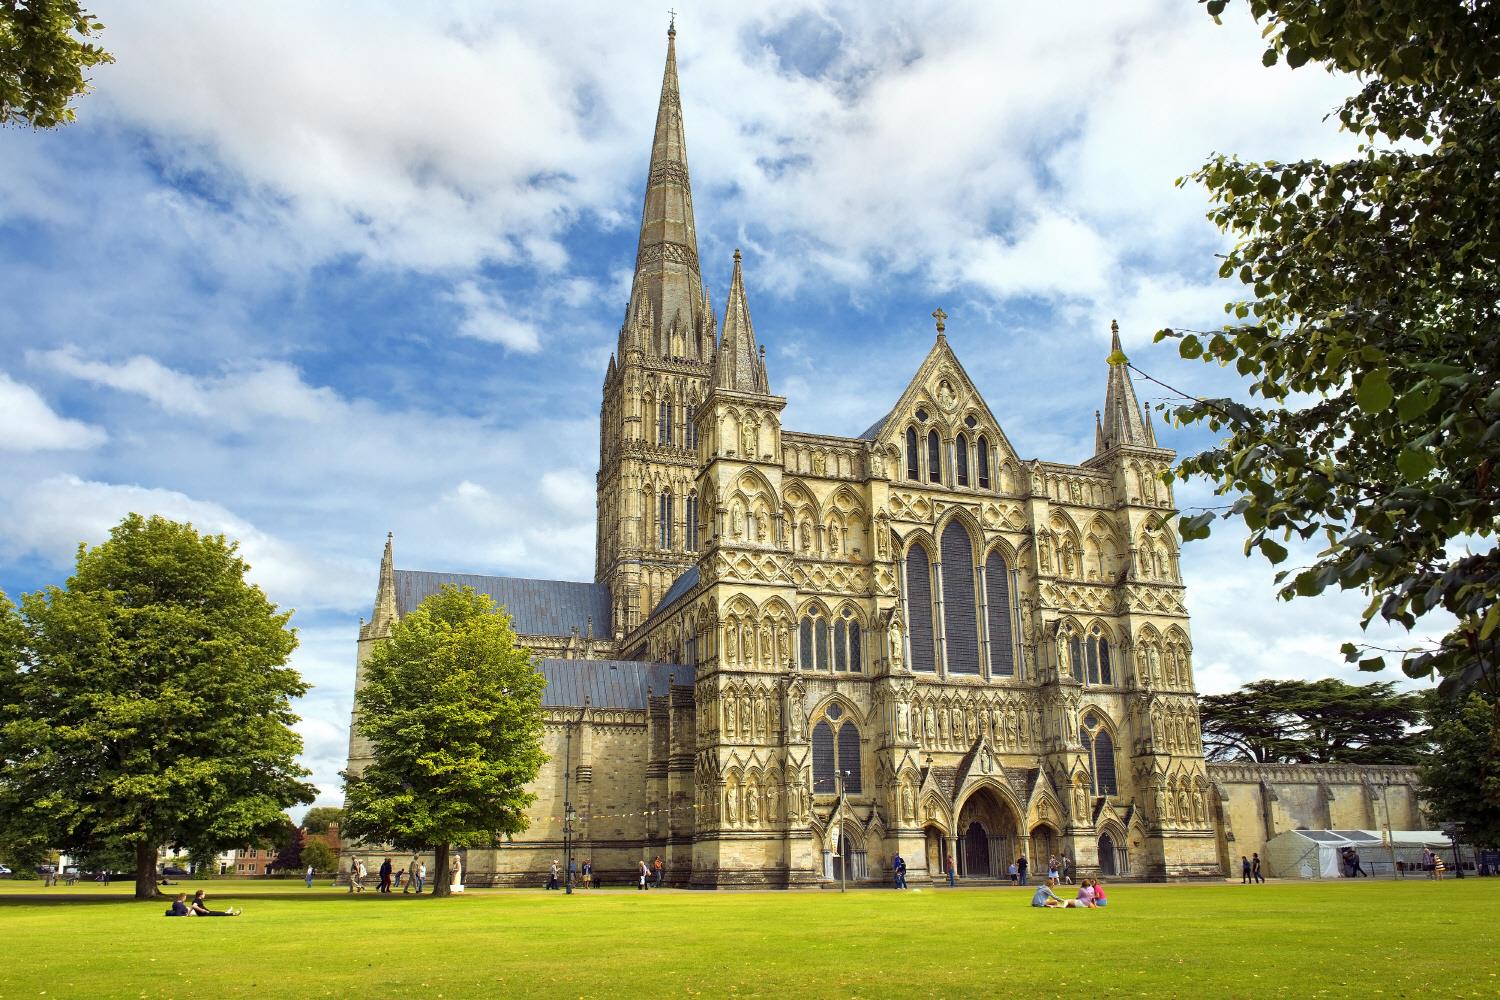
pixel 940 316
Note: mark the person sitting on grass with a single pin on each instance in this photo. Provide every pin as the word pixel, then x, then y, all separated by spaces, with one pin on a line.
pixel 1085 894
pixel 200 908
pixel 179 906
pixel 1044 896
pixel 1099 899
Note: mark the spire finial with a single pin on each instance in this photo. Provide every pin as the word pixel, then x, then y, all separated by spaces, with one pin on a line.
pixel 736 254
pixel 672 25
pixel 941 318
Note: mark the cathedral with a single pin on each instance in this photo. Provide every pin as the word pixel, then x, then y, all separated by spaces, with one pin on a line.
pixel 803 654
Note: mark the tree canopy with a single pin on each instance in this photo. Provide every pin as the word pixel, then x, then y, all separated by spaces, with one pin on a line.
pixel 1314 722
pixel 451 706
pixel 320 856
pixel 1369 328
pixel 46 46
pixel 152 705
pixel 319 818
pixel 1461 777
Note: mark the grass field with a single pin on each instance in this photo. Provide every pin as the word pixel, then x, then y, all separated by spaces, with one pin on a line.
pixel 1367 939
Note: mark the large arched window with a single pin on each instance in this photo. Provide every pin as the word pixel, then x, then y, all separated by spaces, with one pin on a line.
pixel 835 746
pixel 1099 747
pixel 919 608
pixel 961 460
pixel 913 468
pixel 690 531
pixel 934 458
pixel 960 619
pixel 664 422
pixel 664 520
pixel 983 462
pixel 812 637
pixel 1098 654
pixel 846 636
pixel 998 614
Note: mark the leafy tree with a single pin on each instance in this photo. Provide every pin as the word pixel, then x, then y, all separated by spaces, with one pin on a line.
pixel 1461 777
pixel 320 856
pixel 319 818
pixel 1304 722
pixel 154 708
pixel 1369 328
pixel 290 844
pixel 451 706
pixel 45 48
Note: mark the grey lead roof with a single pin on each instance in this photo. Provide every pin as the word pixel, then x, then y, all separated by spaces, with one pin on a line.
pixel 536 607
pixel 685 582
pixel 608 683
pixel 873 431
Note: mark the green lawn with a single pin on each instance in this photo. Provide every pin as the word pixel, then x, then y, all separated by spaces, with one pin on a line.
pixel 1364 939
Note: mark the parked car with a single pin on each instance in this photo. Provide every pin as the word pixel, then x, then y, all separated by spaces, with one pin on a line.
pixel 5 872
pixel 175 871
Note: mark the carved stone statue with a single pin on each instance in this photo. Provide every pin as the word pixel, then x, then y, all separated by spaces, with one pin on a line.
pixel 908 801
pixel 747 440
pixel 752 805
pixel 731 805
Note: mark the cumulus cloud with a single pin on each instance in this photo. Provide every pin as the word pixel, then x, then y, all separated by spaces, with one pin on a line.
pixel 486 317
pixel 31 425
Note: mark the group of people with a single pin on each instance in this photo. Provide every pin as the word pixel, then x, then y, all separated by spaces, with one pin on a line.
pixel 1432 864
pixel 198 907
pixel 1352 867
pixel 1251 869
pixel 412 879
pixel 1090 896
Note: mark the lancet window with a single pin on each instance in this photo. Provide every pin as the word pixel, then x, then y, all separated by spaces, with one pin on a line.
pixel 919 608
pixel 913 466
pixel 934 458
pixel 835 746
pixel 961 460
pixel 1099 748
pixel 983 458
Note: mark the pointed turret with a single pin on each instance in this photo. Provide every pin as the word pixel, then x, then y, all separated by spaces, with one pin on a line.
pixel 1123 423
pixel 666 260
pixel 384 615
pixel 738 365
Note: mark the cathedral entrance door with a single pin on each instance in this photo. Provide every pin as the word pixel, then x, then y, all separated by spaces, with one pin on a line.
pixel 1107 864
pixel 976 852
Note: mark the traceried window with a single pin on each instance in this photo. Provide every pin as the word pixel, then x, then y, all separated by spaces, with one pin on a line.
pixel 690 428
pixel 1075 655
pixel 960 620
pixel 934 458
pixel 961 460
pixel 1099 748
pixel 690 531
pixel 847 656
pixel 664 422
pixel 919 608
pixel 982 457
pixel 835 746
pixel 998 614
pixel 813 640
pixel 664 520
pixel 1099 670
pixel 913 467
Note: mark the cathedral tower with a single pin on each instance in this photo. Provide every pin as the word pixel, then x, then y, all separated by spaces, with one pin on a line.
pixel 648 518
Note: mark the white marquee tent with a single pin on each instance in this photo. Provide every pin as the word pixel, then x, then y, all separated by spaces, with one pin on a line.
pixel 1318 853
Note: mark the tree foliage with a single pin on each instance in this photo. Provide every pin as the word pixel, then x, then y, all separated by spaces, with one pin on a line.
pixel 290 844
pixel 451 706
pixel 1313 722
pixel 45 48
pixel 154 703
pixel 319 818
pixel 1461 777
pixel 1370 327
pixel 320 856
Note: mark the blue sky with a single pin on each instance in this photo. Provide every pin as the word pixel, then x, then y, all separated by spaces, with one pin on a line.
pixel 309 274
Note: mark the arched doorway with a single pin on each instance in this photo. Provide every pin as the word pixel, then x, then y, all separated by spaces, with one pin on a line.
pixel 1043 846
pixel 934 840
pixel 1107 863
pixel 987 825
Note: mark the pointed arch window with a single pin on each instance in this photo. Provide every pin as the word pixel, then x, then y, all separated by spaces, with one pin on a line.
pixel 690 429
pixel 846 638
pixel 824 758
pixel 835 746
pixel 1099 671
pixel 1099 748
pixel 813 640
pixel 664 520
pixel 690 531
pixel 913 469
pixel 983 457
pixel 960 619
pixel 998 615
pixel 1075 655
pixel 934 458
pixel 919 608
pixel 664 422
pixel 848 756
pixel 961 460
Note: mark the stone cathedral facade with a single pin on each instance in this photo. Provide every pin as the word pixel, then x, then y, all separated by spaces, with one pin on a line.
pixel 804 653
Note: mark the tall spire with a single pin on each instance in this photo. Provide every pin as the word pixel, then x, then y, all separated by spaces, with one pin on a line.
pixel 737 365
pixel 666 260
pixel 1123 423
pixel 384 615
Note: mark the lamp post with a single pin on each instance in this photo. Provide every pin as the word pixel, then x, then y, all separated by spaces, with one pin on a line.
pixel 843 854
pixel 568 817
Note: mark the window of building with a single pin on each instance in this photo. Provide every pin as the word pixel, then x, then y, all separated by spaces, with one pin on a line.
pixel 922 415
pixel 1099 748
pixel 998 615
pixel 961 460
pixel 919 608
pixel 664 520
pixel 846 639
pixel 1075 655
pixel 960 619
pixel 982 456
pixel 690 428
pixel 664 422
pixel 813 640
pixel 835 745
pixel 690 532
pixel 913 470
pixel 934 458
pixel 1099 671
pixel 971 421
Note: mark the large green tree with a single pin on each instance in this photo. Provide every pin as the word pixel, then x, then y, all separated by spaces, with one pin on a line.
pixel 319 818
pixel 1461 777
pixel 154 703
pixel 46 47
pixel 1307 722
pixel 1369 327
pixel 320 856
pixel 451 705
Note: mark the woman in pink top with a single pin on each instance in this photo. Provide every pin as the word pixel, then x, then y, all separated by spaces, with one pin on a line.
pixel 1099 899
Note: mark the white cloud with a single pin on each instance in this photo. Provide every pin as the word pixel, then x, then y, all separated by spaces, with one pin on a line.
pixel 171 390
pixel 31 425
pixel 486 317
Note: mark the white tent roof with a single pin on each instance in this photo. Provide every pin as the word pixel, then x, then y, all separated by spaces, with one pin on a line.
pixel 1364 838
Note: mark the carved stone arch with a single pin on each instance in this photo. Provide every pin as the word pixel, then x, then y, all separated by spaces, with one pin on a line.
pixel 1105 629
pixel 1001 789
pixel 933 811
pixel 776 609
pixel 918 536
pixel 1106 722
pixel 847 501
pixel 851 711
pixel 970 524
pixel 814 605
pixel 850 605
pixel 753 480
pixel 796 493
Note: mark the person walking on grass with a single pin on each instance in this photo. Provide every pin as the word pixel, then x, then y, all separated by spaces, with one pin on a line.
pixel 1244 870
pixel 588 873
pixel 1256 868
pixel 309 876
pixel 552 873
pixel 411 876
pixel 898 869
pixel 951 869
pixel 645 875
pixel 659 869
pixel 385 875
pixel 421 876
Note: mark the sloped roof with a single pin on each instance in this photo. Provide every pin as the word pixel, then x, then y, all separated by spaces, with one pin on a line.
pixel 686 581
pixel 608 683
pixel 872 433
pixel 536 607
